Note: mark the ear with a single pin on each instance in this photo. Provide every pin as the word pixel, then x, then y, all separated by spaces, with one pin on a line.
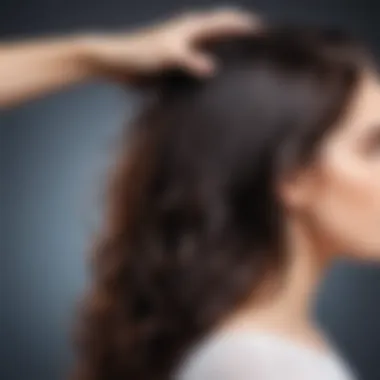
pixel 298 189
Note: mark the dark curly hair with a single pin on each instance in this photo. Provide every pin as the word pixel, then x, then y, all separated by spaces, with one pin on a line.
pixel 193 225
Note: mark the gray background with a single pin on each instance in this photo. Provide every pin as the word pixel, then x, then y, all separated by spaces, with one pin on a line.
pixel 54 153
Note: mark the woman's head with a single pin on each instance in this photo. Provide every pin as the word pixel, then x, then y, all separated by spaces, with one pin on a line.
pixel 214 172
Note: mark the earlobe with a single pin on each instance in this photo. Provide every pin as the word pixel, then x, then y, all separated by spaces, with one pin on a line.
pixel 289 195
pixel 297 190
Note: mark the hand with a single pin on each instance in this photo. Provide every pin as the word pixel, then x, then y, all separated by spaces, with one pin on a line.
pixel 163 46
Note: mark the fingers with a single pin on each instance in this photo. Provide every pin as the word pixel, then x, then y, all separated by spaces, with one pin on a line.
pixel 198 63
pixel 224 22
pixel 212 24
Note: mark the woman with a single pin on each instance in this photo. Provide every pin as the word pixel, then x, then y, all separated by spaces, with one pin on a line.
pixel 231 197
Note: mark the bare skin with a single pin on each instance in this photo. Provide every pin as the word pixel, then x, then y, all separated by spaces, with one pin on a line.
pixel 36 68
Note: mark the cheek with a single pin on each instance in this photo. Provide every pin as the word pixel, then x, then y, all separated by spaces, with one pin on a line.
pixel 347 205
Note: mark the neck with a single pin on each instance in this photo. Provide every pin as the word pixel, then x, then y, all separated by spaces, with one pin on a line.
pixel 289 309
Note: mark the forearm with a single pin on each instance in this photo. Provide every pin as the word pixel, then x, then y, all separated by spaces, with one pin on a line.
pixel 35 68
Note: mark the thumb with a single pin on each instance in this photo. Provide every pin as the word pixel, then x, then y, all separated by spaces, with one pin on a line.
pixel 198 63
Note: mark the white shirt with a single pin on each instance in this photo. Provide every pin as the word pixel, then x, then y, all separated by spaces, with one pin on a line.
pixel 260 356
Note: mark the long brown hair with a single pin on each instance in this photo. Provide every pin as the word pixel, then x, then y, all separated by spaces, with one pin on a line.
pixel 193 225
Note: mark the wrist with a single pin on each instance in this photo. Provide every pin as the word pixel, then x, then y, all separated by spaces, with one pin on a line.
pixel 87 55
pixel 110 56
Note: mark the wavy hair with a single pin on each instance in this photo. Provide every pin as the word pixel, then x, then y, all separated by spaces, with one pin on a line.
pixel 193 225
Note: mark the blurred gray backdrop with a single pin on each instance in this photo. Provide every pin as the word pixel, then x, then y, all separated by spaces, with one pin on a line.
pixel 54 155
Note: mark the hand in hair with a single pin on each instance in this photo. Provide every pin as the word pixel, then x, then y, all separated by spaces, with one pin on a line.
pixel 35 68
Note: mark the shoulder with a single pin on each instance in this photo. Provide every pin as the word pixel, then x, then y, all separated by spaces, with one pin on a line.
pixel 231 357
pixel 214 359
